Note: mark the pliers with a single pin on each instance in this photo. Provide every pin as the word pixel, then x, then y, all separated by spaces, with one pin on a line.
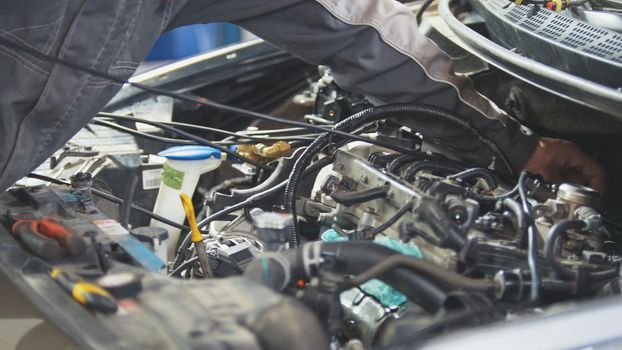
pixel 46 236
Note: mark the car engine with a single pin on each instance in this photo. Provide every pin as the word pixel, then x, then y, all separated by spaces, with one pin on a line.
pixel 381 237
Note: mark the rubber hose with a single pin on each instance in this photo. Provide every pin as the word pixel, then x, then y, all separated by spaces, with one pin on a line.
pixel 355 257
pixel 432 271
pixel 397 163
pixel 563 271
pixel 350 258
pixel 448 232
pixel 549 247
pixel 393 219
pixel 275 331
pixel 481 173
pixel 483 197
pixel 411 171
pixel 362 196
pixel 521 219
pixel 532 253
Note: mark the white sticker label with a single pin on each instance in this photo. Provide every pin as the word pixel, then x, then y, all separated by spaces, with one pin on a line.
pixel 152 179
pixel 111 227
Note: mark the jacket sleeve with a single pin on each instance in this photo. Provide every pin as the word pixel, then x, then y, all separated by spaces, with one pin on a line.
pixel 42 105
pixel 374 47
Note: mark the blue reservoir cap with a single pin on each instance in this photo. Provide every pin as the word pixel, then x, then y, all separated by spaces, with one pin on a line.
pixel 190 153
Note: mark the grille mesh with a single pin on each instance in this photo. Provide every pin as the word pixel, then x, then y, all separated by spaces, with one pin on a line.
pixel 572 33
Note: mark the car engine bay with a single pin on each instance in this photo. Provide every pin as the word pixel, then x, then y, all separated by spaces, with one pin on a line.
pixel 313 240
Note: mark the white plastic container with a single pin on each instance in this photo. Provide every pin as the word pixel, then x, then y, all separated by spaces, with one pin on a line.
pixel 181 171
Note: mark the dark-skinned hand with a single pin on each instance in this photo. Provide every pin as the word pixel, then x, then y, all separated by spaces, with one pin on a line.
pixel 559 161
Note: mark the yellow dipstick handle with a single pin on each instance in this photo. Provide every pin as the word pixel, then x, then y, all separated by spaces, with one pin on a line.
pixel 197 237
pixel 192 219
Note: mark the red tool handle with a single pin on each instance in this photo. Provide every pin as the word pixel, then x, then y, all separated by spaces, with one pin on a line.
pixel 27 231
pixel 63 234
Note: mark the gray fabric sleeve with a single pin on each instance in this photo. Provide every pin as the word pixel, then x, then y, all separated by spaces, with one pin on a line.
pixel 374 48
pixel 45 104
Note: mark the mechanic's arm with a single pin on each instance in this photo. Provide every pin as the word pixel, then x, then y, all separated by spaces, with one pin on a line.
pixel 374 48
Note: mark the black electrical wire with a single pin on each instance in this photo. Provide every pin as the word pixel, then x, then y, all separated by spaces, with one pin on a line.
pixel 183 266
pixel 114 199
pixel 196 139
pixel 50 179
pixel 142 134
pixel 139 209
pixel 197 100
pixel 263 117
pixel 112 125
pixel 271 131
pixel 481 173
pixel 183 125
pixel 393 219
pixel 532 254
pixel 359 119
pixel 126 206
pixel 412 170
pixel 216 130
pixel 422 9
pixel 482 197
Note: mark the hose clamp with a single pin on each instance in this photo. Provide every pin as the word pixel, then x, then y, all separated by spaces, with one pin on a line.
pixel 312 258
pixel 285 265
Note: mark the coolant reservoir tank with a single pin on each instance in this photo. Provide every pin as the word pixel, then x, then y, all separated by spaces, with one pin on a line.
pixel 181 171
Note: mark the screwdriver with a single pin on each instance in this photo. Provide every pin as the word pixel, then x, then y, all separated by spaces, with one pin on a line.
pixel 85 293
pixel 196 236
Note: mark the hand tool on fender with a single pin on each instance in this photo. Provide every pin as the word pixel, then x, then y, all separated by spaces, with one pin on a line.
pixel 28 232
pixel 63 234
pixel 45 236
pixel 197 237
pixel 85 293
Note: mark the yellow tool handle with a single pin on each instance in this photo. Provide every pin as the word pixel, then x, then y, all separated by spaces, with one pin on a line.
pixel 192 220
pixel 81 291
pixel 197 237
pixel 85 293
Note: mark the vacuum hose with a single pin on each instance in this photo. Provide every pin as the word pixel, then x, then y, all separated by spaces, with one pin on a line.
pixel 561 270
pixel 357 197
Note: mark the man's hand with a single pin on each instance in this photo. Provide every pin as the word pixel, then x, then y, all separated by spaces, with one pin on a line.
pixel 562 161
